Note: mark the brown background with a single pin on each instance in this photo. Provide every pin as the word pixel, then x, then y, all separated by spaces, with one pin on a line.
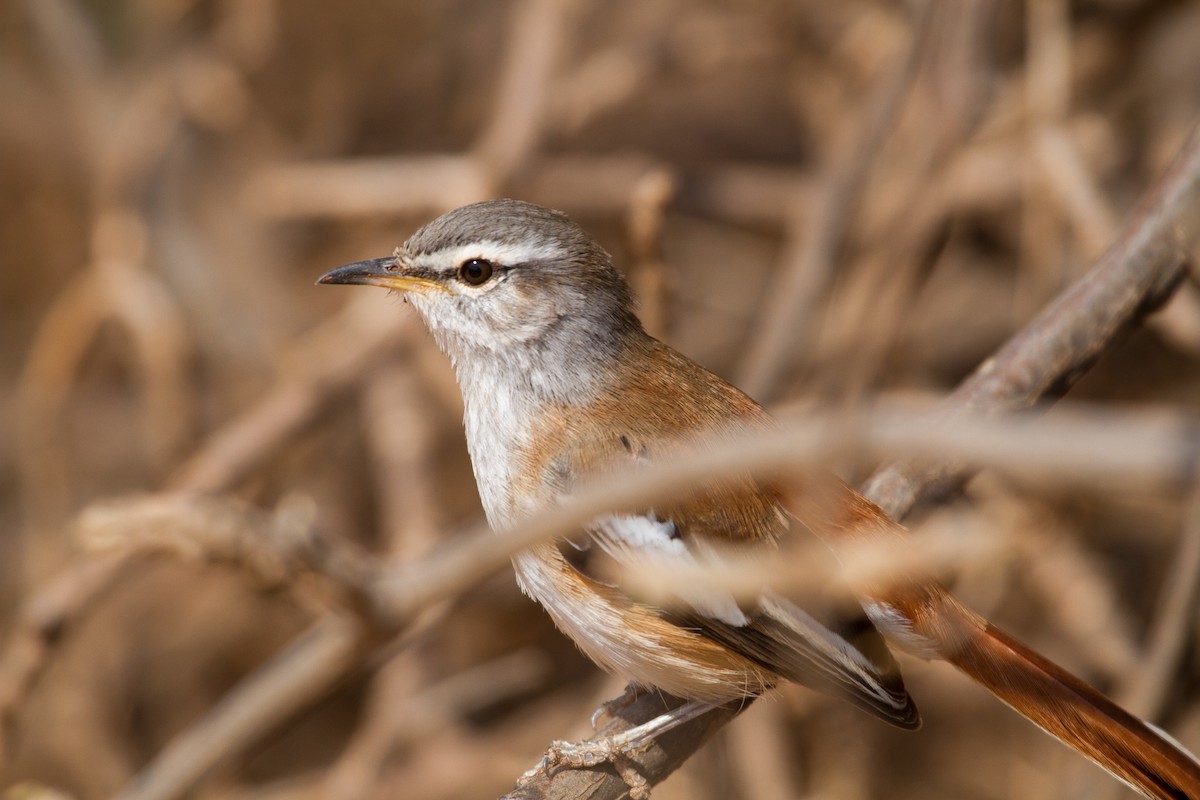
pixel 174 174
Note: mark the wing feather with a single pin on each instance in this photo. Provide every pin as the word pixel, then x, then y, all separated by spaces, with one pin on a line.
pixel 830 646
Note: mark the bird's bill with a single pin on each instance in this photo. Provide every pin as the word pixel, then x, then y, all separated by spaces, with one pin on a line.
pixel 386 272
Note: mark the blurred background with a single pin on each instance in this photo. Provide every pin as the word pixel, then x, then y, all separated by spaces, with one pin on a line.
pixel 822 202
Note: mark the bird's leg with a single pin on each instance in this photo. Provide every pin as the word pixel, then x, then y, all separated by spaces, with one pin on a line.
pixel 617 748
pixel 609 708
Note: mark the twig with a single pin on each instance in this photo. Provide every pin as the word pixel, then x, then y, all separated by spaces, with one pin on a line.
pixel 1154 454
pixel 648 273
pixel 1151 452
pixel 1091 448
pixel 512 133
pixel 302 673
pixel 1041 270
pixel 815 230
pixel 362 187
pixel 1146 687
pixel 1066 339
pixel 355 188
pixel 393 406
pixel 336 355
pixel 409 708
pixel 67 330
pixel 1090 214
pixel 76 58
pixel 400 443
pixel 38 627
pixel 1069 577
pixel 1053 351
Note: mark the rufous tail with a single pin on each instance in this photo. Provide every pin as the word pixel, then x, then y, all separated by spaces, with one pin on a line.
pixel 1066 707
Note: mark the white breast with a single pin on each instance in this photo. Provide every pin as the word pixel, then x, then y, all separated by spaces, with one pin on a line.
pixel 493 420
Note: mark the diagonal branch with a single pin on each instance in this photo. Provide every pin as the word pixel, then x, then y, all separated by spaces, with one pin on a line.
pixel 1135 276
pixel 816 230
pixel 1044 359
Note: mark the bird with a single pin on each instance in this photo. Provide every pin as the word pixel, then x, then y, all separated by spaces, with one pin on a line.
pixel 561 384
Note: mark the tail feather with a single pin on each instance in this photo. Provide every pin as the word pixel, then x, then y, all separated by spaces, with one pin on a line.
pixel 920 616
pixel 1070 710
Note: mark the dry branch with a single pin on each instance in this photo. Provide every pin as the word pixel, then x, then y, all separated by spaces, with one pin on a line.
pixel 306 671
pixel 816 230
pixel 1051 353
pixel 353 188
pixel 1047 356
pixel 331 359
pixel 1146 686
pixel 1084 448
pixel 121 135
pixel 665 755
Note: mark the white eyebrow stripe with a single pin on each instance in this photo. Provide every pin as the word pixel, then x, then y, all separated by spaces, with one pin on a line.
pixel 498 252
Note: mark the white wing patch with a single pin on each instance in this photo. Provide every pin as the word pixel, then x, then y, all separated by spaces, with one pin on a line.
pixel 651 541
pixel 898 630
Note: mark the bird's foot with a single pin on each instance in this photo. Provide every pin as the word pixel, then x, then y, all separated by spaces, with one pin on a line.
pixel 609 708
pixel 617 749
pixel 592 753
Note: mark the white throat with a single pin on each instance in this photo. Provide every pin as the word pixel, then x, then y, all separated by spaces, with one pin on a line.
pixel 502 394
pixel 495 418
pixel 510 375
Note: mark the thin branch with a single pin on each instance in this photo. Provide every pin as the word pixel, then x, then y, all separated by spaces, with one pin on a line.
pixel 816 229
pixel 37 630
pixel 1153 452
pixel 513 132
pixel 1061 344
pixel 1088 450
pixel 335 357
pixel 398 598
pixel 1146 687
pixel 644 223
pixel 305 671
pixel 352 188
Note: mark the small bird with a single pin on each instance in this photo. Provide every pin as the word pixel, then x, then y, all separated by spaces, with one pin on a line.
pixel 561 384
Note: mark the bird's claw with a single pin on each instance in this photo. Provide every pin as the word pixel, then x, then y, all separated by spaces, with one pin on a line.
pixel 592 753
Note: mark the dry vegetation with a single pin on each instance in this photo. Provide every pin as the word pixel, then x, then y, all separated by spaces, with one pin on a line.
pixel 213 473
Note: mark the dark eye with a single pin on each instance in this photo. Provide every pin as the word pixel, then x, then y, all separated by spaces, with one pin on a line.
pixel 476 271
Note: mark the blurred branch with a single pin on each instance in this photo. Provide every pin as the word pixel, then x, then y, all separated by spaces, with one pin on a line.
pixel 351 188
pixel 1091 449
pixel 1086 448
pixel 325 362
pixel 37 631
pixel 76 58
pixel 408 707
pixel 357 187
pixel 1052 352
pixel 815 229
pixel 644 224
pixel 1146 687
pixel 436 182
pixel 504 158
pixel 512 134
pixel 304 672
pixel 1048 355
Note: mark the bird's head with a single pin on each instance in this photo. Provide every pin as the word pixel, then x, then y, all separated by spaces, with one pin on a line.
pixel 503 276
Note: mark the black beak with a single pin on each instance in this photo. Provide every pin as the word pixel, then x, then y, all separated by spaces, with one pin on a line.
pixel 390 273
pixel 376 271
